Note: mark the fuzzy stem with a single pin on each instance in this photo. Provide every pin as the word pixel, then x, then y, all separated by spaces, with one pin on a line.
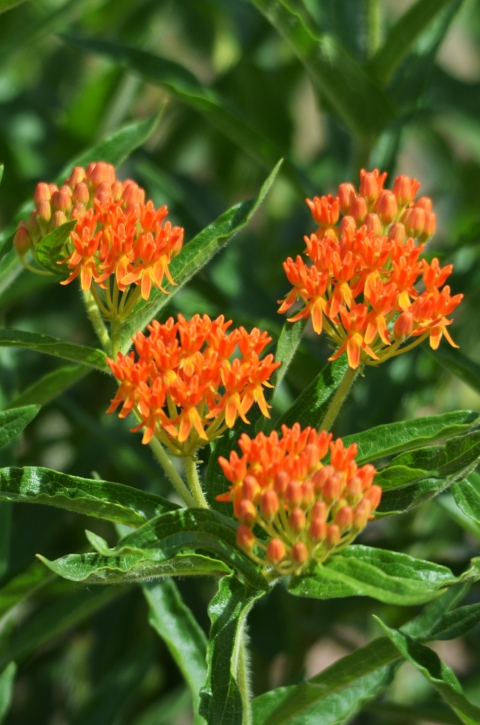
pixel 171 472
pixel 115 331
pixel 96 319
pixel 337 400
pixel 194 483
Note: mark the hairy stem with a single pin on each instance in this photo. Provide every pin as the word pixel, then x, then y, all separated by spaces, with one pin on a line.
pixel 172 473
pixel 194 483
pixel 337 400
pixel 96 319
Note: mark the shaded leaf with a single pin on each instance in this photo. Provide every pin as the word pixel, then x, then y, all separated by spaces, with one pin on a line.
pixel 7 5
pixel 102 499
pixel 384 575
pixel 467 496
pixel 427 620
pixel 287 346
pixel 22 586
pixel 48 250
pixel 12 422
pixel 6 682
pixel 49 386
pixel 460 365
pixel 51 346
pixel 456 623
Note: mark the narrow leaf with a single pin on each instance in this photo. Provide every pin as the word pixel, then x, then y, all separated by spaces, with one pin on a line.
pixel 388 576
pixel 101 499
pixel 51 346
pixel 22 586
pixel 2 169
pixel 423 624
pixel 49 386
pixel 437 672
pixel 195 255
pixel 12 422
pixel 467 496
pixel 178 628
pixel 48 250
pixel 8 5
pixel 456 623
pixel 287 346
pixel 224 696
pixel 6 688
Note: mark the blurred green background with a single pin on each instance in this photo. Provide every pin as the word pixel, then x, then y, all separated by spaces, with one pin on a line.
pixel 236 96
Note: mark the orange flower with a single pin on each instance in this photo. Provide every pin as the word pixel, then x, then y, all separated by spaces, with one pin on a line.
pixel 308 507
pixel 118 241
pixel 182 384
pixel 365 274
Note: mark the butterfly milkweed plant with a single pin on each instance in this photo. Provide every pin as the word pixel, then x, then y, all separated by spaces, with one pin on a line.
pixel 258 499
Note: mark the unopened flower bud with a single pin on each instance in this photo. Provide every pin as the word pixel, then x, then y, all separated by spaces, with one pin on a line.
pixel 275 551
pixel 354 490
pixel 359 210
pixel 307 494
pixel 22 241
pixel 103 193
pixel 403 326
pixel 61 200
pixel 333 534
pixel 387 207
pixel 247 513
pixel 374 495
pixel 76 177
pixel 245 538
pixel 319 510
pixel 100 173
pixel 251 488
pixel 52 188
pixel 280 482
pixel 344 517
pixel 414 221
pixel 293 493
pixel 361 514
pixel 317 529
pixel 348 227
pixel 299 553
pixel 373 223
pixel 405 189
pixel 424 203
pixel 131 193
pixel 78 210
pixel 319 478
pixel 44 211
pixel 311 452
pixel 57 220
pixel 117 190
pixel 429 227
pixel 397 232
pixel 269 503
pixel 332 488
pixel 42 192
pixel 369 185
pixel 81 193
pixel 346 196
pixel 34 228
pixel 297 520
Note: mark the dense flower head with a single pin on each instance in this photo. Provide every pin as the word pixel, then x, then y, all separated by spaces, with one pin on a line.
pixel 118 235
pixel 364 281
pixel 304 491
pixel 190 379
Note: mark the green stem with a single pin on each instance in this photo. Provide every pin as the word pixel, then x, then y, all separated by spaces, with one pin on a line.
pixel 96 319
pixel 337 400
pixel 243 679
pixel 115 331
pixel 372 13
pixel 172 472
pixel 194 483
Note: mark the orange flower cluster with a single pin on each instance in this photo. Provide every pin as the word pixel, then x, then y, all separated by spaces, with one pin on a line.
pixel 184 387
pixel 365 283
pixel 309 509
pixel 118 237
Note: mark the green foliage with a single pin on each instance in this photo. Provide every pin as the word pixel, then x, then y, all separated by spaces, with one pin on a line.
pixel 12 422
pixel 51 346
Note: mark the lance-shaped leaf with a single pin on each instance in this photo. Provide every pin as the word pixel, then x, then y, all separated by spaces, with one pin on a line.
pixel 102 499
pixel 349 90
pixel 6 687
pixel 388 576
pixel 49 386
pixel 402 36
pixel 456 623
pixel 412 478
pixel 467 496
pixel 423 624
pixel 89 356
pixel 386 440
pixel 12 422
pixel 22 586
pixel 7 5
pixel 195 255
pixel 225 696
pixel 160 539
pixel 178 628
pixel 437 672
pixel 287 346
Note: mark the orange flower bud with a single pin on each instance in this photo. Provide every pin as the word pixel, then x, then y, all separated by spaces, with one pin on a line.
pixel 78 210
pixel 346 196
pixel 361 514
pixel 130 194
pixel 373 223
pixel 348 227
pixel 359 210
pixel 319 478
pixel 414 221
pixel 81 193
pixel 61 200
pixel 368 186
pixel 297 520
pixel 317 529
pixel 333 534
pixel 52 188
pixel 42 193
pixel 344 517
pixel 405 189
pixel 299 553
pixel 387 207
pixel 76 177
pixel 312 457
pixel 280 482
pixel 269 503
pixel 307 494
pixel 354 490
pixel 44 211
pixel 332 488
pixel 429 227
pixel 293 493
pixel 403 326
pixel 57 220
pixel 319 511
pixel 276 551
pixel 22 241
pixel 424 203
pixel 250 488
pixel 397 232
pixel 374 495
pixel 117 190
pixel 245 538
pixel 247 513
pixel 102 173
pixel 103 193
pixel 325 209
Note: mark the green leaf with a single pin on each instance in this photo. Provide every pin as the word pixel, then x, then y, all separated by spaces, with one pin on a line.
pixel 49 386
pixel 388 576
pixel 178 628
pixel 22 586
pixel 8 5
pixel 162 538
pixel 467 496
pixel 224 696
pixel 402 36
pixel 456 623
pixel 311 406
pixel 385 440
pixel 287 346
pixel 349 90
pixel 2 169
pixel 6 687
pixel 102 499
pixel 440 676
pixel 48 250
pixel 435 712
pixel 427 620
pixel 184 86
pixel 12 422
pixel 195 255
pixel 458 364
pixel 334 695
pixel 51 346
pixel 98 569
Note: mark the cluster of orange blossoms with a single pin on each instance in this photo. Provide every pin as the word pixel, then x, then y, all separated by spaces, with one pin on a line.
pixel 360 283
pixel 183 386
pixel 307 509
pixel 118 237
